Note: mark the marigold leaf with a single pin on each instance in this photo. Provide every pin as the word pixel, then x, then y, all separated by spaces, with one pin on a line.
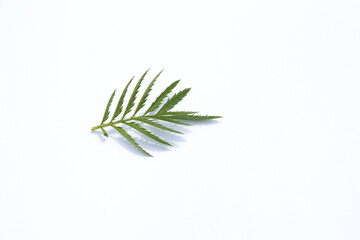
pixel 151 117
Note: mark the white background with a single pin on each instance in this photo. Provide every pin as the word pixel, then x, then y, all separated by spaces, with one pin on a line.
pixel 283 163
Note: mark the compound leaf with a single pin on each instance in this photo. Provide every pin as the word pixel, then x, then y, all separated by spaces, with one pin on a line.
pixel 150 117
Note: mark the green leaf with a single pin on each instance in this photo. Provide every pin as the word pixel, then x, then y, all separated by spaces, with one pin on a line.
pixel 141 124
pixel 194 117
pixel 130 139
pixel 179 113
pixel 131 102
pixel 107 112
pixel 171 102
pixel 104 132
pixel 167 119
pixel 146 94
pixel 147 133
pixel 155 124
pixel 121 101
pixel 161 97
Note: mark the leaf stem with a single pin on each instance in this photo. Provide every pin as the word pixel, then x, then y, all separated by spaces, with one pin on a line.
pixel 106 124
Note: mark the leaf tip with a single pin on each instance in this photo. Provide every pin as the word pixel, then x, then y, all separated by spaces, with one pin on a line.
pixel 104 132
